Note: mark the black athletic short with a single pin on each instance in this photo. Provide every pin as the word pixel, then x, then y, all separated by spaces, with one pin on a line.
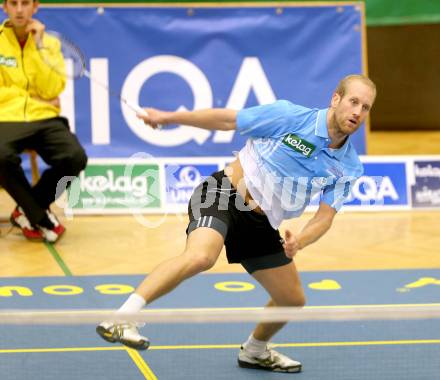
pixel 249 237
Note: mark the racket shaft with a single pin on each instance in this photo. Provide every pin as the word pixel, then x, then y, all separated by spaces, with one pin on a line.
pixel 134 107
pixel 129 104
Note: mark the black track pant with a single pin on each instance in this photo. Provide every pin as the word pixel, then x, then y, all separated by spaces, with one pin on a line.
pixel 55 144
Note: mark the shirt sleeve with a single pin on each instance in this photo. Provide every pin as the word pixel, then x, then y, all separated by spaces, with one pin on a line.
pixel 49 81
pixel 336 195
pixel 271 120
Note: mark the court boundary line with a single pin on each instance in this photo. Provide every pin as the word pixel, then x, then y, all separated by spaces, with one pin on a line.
pixel 142 365
pixel 58 259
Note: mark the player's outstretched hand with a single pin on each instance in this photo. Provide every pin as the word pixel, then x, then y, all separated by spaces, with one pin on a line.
pixel 153 117
pixel 291 244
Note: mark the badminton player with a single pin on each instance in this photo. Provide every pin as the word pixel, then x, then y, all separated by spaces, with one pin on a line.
pixel 292 153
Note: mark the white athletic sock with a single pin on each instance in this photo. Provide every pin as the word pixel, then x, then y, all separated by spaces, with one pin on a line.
pixel 254 346
pixel 134 304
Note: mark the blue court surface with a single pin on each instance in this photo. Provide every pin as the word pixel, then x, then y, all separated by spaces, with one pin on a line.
pixel 388 350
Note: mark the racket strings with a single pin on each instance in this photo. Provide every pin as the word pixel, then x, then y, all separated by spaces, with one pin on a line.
pixel 73 55
pixel 69 51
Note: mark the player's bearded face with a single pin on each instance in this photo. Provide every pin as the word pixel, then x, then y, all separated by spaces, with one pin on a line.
pixel 20 12
pixel 353 107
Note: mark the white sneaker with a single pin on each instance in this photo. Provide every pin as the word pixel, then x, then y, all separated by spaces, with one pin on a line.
pixel 125 333
pixel 30 232
pixel 270 360
pixel 52 235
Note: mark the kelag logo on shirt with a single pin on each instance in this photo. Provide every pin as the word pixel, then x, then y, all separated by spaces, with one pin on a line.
pixel 299 145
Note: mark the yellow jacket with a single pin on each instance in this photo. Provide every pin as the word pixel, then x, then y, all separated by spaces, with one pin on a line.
pixel 25 78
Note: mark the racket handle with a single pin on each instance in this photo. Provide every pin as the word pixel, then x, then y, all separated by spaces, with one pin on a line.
pixel 139 110
pixel 136 108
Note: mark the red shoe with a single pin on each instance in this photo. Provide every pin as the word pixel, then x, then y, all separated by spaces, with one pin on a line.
pixel 19 219
pixel 52 234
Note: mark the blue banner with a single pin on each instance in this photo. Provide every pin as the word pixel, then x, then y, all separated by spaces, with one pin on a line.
pixel 190 58
pixel 181 180
pixel 383 184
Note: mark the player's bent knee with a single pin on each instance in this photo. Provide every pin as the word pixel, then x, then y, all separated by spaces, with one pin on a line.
pixel 204 261
pixel 300 301
pixel 295 299
pixel 200 261
pixel 77 161
pixel 296 302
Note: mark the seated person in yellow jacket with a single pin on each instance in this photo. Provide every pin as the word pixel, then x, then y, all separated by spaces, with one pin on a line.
pixel 29 119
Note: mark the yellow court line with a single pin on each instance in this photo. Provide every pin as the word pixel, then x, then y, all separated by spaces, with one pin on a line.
pixel 224 346
pixel 141 364
pixel 59 349
pixel 370 343
pixel 373 305
pixel 313 344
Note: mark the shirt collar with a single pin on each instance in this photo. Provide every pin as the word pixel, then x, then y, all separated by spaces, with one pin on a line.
pixel 6 28
pixel 2 26
pixel 339 153
pixel 322 131
pixel 321 124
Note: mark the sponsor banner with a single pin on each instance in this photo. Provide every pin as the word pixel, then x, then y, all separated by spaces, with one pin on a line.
pixel 207 56
pixel 382 184
pixel 425 188
pixel 116 187
pixel 181 181
pixel 153 185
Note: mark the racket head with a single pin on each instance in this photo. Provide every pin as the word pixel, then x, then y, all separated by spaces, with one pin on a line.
pixel 50 46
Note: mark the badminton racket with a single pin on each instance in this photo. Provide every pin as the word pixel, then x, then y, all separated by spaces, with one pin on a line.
pixel 49 53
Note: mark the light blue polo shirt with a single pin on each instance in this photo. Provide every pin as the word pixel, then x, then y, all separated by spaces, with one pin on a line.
pixel 286 159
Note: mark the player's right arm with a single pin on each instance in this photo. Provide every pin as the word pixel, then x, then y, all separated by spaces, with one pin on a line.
pixel 316 227
pixel 48 83
pixel 36 28
pixel 53 102
pixel 212 119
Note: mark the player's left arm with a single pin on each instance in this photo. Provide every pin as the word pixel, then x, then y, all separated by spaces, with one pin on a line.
pixel 316 227
pixel 222 119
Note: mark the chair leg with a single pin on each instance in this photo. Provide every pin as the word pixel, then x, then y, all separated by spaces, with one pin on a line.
pixel 34 167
